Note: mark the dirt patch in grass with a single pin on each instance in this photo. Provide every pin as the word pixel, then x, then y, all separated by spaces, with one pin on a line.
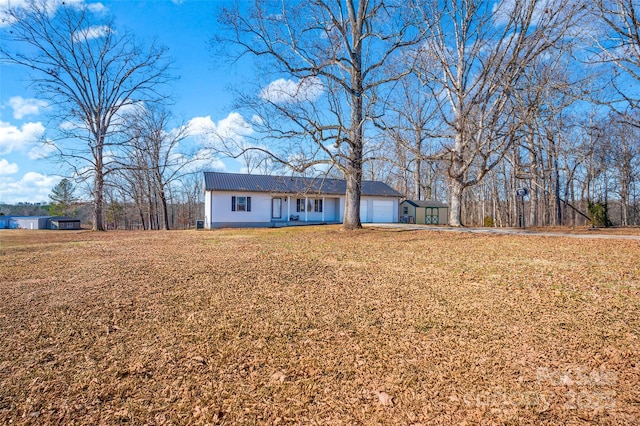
pixel 314 325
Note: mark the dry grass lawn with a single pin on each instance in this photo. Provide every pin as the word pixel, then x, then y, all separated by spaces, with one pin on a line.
pixel 317 326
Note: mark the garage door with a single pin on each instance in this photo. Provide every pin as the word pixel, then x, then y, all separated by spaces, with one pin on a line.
pixel 382 211
pixel 363 211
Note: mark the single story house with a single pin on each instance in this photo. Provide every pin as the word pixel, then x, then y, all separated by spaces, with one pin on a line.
pixel 38 222
pixel 424 212
pixel 242 200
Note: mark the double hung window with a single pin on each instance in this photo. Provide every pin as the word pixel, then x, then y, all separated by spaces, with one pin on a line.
pixel 240 204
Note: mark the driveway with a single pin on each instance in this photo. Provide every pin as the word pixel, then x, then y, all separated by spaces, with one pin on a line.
pixel 500 231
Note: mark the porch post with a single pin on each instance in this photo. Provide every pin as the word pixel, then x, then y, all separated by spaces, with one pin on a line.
pixel 288 208
pixel 306 209
pixel 323 208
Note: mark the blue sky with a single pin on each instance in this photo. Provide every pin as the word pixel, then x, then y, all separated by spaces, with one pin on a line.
pixel 201 95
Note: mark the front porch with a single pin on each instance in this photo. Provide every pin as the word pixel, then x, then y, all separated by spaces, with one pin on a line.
pixel 287 210
pixel 285 223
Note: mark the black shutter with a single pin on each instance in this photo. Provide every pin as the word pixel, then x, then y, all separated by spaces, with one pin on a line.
pixel 248 204
pixel 233 204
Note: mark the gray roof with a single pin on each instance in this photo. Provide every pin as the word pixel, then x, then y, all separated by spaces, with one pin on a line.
pixel 215 181
pixel 39 217
pixel 30 217
pixel 426 203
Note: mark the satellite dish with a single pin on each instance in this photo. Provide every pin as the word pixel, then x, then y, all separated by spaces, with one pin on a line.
pixel 522 192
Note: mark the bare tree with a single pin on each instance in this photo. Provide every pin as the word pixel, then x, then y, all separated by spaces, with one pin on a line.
pixel 328 60
pixel 477 53
pixel 546 96
pixel 190 193
pixel 152 150
pixel 411 123
pixel 620 43
pixel 621 155
pixel 89 72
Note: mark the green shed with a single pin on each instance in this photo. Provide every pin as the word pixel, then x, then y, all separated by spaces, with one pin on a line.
pixel 424 212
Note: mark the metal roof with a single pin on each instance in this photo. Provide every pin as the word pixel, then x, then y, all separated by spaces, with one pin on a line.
pixel 426 203
pixel 215 181
pixel 39 217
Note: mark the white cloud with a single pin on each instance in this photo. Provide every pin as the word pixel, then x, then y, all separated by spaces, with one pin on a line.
pixel 13 138
pixel 6 20
pixel 503 10
pixel 22 106
pixel 205 159
pixel 7 168
pixel 228 135
pixel 92 33
pixel 69 126
pixel 51 6
pixel 96 7
pixel 41 151
pixel 4 4
pixel 130 108
pixel 257 120
pixel 199 126
pixel 32 187
pixel 233 128
pixel 234 124
pixel 288 91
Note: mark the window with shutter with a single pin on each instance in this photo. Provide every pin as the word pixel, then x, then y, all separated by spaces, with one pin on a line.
pixel 241 204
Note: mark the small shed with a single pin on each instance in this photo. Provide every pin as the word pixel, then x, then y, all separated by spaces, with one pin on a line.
pixel 424 212
pixel 62 223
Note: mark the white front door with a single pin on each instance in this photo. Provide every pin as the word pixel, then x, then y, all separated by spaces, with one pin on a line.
pixel 276 208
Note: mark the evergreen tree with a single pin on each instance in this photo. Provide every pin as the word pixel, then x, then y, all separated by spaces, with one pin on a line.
pixel 62 199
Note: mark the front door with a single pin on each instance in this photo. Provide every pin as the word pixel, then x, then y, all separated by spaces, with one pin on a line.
pixel 431 216
pixel 276 208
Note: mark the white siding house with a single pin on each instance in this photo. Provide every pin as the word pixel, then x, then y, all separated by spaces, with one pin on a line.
pixel 241 200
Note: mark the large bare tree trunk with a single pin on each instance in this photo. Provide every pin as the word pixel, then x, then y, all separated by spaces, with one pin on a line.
pixel 98 203
pixel 417 179
pixel 456 189
pixel 165 209
pixel 353 172
pixel 533 190
pixel 352 200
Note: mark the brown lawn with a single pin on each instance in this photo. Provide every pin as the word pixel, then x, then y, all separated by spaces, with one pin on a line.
pixel 627 230
pixel 317 326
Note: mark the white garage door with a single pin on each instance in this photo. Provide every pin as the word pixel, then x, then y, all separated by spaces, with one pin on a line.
pixel 363 211
pixel 382 211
